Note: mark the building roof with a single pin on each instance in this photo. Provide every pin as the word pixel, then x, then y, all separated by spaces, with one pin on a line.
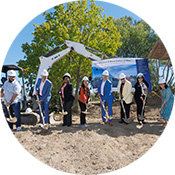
pixel 159 51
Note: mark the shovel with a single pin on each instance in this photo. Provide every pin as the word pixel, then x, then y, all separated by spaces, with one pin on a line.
pixel 85 112
pixel 126 120
pixel 10 119
pixel 107 116
pixel 141 117
pixel 161 118
pixel 44 126
pixel 63 112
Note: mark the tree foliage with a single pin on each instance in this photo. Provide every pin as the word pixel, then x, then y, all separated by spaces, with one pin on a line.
pixel 137 37
pixel 73 21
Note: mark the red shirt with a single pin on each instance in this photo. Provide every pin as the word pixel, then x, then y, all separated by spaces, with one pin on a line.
pixel 83 96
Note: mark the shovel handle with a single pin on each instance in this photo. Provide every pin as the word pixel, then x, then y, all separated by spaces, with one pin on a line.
pixel 61 105
pixel 123 109
pixel 8 111
pixel 40 110
pixel 104 107
pixel 143 107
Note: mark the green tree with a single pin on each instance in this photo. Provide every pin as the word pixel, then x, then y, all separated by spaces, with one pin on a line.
pixel 138 40
pixel 75 21
pixel 137 37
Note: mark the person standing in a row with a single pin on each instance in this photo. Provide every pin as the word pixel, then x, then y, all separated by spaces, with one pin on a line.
pixel 43 91
pixel 124 88
pixel 83 100
pixel 67 99
pixel 167 100
pixel 141 89
pixel 11 91
pixel 105 93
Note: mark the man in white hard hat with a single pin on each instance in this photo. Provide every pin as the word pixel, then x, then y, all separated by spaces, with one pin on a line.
pixel 43 91
pixel 105 93
pixel 124 88
pixel 11 91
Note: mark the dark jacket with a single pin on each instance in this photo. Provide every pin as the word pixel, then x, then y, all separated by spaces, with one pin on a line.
pixel 68 93
pixel 138 90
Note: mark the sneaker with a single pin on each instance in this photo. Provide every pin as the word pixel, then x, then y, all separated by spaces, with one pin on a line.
pixel 140 123
pixel 18 128
pixel 40 126
pixel 83 125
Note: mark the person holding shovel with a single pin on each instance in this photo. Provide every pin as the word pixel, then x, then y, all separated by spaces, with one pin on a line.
pixel 83 100
pixel 106 96
pixel 11 91
pixel 124 89
pixel 167 100
pixel 67 99
pixel 141 91
pixel 43 91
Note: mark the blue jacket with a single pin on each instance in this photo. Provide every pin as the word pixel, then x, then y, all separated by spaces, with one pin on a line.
pixel 107 91
pixel 46 92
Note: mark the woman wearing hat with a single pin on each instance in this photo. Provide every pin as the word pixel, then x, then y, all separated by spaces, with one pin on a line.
pixel 43 91
pixel 141 88
pixel 83 100
pixel 67 99
pixel 124 88
pixel 167 100
pixel 105 93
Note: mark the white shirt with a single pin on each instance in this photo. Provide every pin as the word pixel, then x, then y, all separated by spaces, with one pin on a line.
pixel 10 89
pixel 102 87
pixel 41 87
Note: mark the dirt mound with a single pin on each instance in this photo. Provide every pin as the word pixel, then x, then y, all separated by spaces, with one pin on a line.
pixel 95 149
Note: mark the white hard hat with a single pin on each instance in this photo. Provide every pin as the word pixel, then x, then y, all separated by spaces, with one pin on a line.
pixel 66 75
pixel 11 73
pixel 161 81
pixel 122 75
pixel 85 78
pixel 28 111
pixel 140 74
pixel 44 72
pixel 105 72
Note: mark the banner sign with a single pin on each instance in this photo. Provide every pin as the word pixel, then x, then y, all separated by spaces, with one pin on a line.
pixel 129 66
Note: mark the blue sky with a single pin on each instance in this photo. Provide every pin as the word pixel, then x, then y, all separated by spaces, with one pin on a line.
pixel 15 51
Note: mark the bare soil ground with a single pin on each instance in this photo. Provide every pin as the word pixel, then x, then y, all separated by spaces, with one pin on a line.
pixel 96 148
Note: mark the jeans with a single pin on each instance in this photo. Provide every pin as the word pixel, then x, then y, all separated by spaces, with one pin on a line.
pixel 14 111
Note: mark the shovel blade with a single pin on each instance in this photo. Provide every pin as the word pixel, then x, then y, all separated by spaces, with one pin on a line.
pixel 85 112
pixel 63 113
pixel 12 120
pixel 127 120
